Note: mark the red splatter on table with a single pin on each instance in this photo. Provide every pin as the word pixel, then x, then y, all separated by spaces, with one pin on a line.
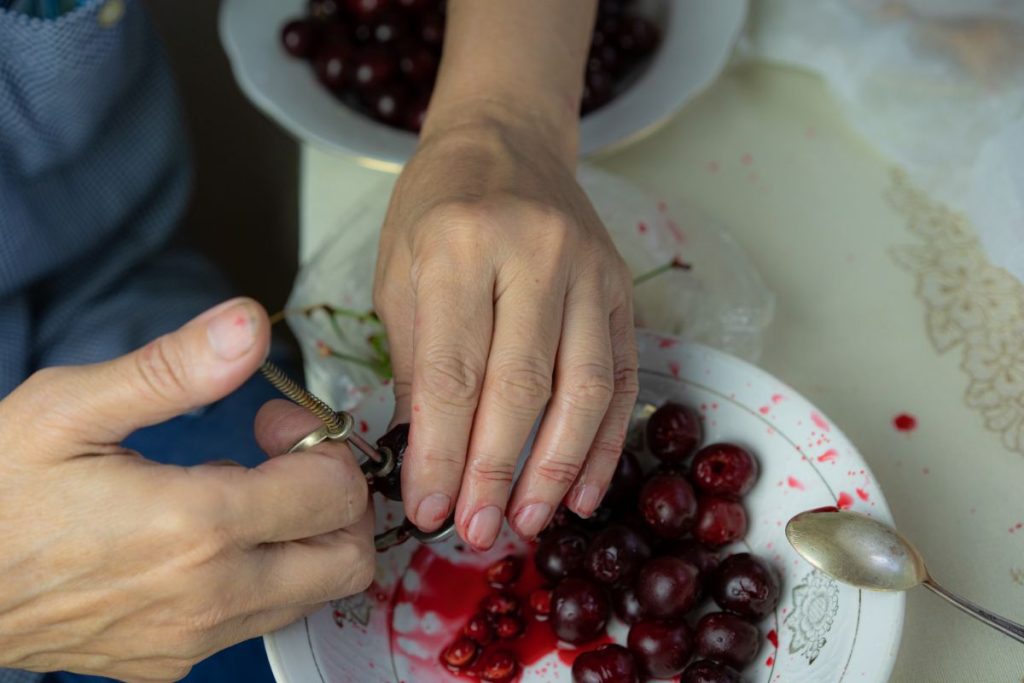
pixel 904 422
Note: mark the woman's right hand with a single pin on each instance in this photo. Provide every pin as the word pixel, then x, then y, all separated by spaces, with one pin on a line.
pixel 115 565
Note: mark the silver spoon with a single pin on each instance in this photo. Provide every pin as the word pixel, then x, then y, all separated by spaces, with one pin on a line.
pixel 863 552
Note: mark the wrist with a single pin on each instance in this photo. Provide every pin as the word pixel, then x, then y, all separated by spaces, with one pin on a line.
pixel 478 118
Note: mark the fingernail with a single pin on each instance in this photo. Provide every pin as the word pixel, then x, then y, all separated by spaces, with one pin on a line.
pixel 530 520
pixel 483 528
pixel 433 510
pixel 585 501
pixel 232 332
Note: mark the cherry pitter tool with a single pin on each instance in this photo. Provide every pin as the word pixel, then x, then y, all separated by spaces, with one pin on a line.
pixel 382 464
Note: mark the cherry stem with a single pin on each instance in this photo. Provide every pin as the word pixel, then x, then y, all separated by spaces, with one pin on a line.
pixel 674 264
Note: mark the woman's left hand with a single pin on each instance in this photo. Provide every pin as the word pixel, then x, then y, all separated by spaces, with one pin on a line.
pixel 503 295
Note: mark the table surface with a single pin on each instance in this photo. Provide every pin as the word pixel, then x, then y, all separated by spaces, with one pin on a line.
pixel 885 306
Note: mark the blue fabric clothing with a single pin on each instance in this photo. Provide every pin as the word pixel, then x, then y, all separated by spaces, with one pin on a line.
pixel 94 177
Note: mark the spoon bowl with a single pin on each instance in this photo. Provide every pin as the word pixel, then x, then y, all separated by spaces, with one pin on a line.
pixel 856 549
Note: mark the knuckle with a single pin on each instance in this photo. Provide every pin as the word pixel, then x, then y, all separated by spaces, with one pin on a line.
pixel 590 387
pixel 491 470
pixel 162 369
pixel 626 382
pixel 607 448
pixel 451 379
pixel 523 384
pixel 559 469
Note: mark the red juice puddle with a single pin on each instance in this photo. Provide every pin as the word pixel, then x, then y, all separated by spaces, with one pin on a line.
pixel 845 501
pixel 904 422
pixel 454 592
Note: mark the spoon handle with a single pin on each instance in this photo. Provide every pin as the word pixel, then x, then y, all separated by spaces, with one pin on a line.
pixel 1010 628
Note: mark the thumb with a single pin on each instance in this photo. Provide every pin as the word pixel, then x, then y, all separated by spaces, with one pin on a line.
pixel 193 366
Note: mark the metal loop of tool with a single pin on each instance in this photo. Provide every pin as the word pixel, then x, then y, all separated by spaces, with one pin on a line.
pixel 340 426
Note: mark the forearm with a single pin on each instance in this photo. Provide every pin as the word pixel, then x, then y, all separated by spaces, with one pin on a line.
pixel 517 62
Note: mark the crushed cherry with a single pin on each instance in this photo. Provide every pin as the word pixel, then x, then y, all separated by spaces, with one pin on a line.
pixel 504 572
pixel 723 469
pixel 460 654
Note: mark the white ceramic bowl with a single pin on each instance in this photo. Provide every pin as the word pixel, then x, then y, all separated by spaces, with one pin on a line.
pixel 820 632
pixel 697 41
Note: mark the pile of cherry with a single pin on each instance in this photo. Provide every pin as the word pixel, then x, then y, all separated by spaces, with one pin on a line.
pixel 649 557
pixel 380 57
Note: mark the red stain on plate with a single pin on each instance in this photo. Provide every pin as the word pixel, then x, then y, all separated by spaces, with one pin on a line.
pixel 862 494
pixel 819 421
pixel 769 661
pixel 641 227
pixel 795 483
pixel 363 427
pixel 666 343
pixel 773 638
pixel 845 501
pixel 828 456
pixel 764 410
pixel 673 367
pixel 904 422
pixel 778 398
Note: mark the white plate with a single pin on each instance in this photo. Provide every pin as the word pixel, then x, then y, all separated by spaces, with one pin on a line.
pixel 697 41
pixel 824 631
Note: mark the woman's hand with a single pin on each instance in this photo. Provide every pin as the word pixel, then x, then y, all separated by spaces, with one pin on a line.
pixel 503 295
pixel 115 565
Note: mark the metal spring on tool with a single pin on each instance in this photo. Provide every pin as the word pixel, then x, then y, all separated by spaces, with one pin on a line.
pixel 289 388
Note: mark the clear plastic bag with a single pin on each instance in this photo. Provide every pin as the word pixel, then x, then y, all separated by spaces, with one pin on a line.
pixel 720 301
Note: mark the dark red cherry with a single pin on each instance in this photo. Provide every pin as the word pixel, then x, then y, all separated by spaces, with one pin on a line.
pixel 719 521
pixel 606 664
pixel 668 505
pixel 579 610
pixel 724 469
pixel 390 28
pixel 638 36
pixel 387 104
pixel 705 671
pixel 367 9
pixel 298 38
pixel 673 432
pixel 431 27
pixel 746 585
pixel 626 481
pixel 508 627
pixel 372 68
pixel 615 554
pixel 561 553
pixel 333 65
pixel 667 587
pixel 727 638
pixel 662 648
pixel 626 605
pixel 540 604
pixel 702 558
pixel 418 65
